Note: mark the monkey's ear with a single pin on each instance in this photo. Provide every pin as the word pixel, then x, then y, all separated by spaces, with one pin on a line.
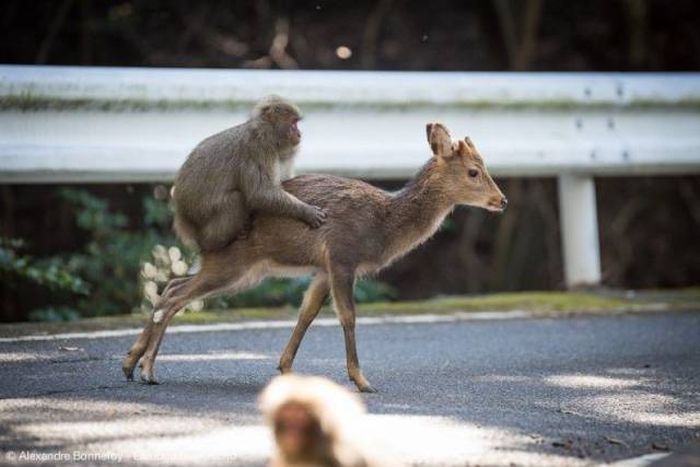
pixel 264 109
pixel 439 139
pixel 266 112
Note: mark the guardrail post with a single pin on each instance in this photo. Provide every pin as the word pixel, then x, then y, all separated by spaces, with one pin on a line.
pixel 579 230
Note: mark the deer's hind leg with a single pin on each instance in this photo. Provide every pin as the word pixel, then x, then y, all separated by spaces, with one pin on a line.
pixel 137 350
pixel 313 300
pixel 342 283
pixel 206 283
pixel 139 347
pixel 197 287
pixel 174 285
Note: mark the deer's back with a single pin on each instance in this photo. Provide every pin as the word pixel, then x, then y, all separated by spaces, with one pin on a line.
pixel 354 231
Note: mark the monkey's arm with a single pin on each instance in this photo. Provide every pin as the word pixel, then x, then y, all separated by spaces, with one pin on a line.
pixel 262 194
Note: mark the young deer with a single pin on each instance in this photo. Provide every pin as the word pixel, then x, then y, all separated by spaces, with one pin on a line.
pixel 367 229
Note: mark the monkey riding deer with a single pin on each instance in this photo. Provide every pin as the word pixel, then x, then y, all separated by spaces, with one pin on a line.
pixel 367 228
pixel 237 171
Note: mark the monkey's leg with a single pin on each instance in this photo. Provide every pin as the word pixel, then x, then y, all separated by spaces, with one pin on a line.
pixel 225 224
pixel 313 300
pixel 342 284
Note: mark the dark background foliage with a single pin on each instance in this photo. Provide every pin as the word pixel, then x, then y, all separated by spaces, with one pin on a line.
pixel 600 35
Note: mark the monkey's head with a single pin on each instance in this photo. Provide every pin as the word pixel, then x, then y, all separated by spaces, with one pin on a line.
pixel 297 431
pixel 281 117
pixel 312 420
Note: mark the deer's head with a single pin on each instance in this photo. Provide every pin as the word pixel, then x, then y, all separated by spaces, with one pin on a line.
pixel 462 172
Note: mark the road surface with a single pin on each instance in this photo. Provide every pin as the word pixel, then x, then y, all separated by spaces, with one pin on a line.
pixel 576 391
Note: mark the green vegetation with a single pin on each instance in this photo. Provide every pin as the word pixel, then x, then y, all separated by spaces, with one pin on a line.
pixel 537 303
pixel 125 265
pixel 111 259
pixel 53 274
pixel 528 301
pixel 123 268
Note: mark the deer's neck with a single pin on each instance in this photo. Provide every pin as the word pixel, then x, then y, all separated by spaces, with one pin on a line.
pixel 416 212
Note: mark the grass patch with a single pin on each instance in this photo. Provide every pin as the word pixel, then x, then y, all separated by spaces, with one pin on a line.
pixel 538 303
pixel 528 301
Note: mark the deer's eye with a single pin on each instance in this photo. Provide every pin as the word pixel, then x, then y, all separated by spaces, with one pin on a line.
pixel 473 173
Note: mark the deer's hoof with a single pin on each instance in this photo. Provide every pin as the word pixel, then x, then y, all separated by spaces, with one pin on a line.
pixel 150 380
pixel 128 372
pixel 128 368
pixel 368 389
pixel 148 377
pixel 363 385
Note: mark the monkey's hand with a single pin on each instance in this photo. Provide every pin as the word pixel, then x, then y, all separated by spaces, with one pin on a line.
pixel 315 217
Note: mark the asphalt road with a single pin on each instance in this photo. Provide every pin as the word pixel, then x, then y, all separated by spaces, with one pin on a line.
pixel 577 391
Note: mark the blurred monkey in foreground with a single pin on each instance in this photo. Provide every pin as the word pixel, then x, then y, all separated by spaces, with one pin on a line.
pixel 313 422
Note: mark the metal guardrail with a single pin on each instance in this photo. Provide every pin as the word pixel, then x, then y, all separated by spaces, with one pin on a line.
pixel 83 124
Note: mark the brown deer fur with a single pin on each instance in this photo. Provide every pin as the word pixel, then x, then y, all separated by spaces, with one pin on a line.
pixel 367 229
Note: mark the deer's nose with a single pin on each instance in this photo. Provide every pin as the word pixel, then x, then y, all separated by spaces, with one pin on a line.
pixel 504 202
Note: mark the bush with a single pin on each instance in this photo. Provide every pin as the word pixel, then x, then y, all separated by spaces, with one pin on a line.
pixel 124 268
pixel 111 259
pixel 52 274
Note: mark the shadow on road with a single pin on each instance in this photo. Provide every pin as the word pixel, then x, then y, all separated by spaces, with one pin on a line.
pixel 545 392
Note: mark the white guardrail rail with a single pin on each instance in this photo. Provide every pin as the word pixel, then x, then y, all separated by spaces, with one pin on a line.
pixel 87 125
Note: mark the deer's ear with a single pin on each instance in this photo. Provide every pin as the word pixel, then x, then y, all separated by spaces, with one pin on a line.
pixel 463 148
pixel 439 140
pixel 468 140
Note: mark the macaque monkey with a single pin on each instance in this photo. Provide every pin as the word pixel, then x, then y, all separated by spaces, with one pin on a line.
pixel 239 171
pixel 314 421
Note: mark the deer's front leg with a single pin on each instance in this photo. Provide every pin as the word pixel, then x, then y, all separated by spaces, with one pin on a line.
pixel 313 300
pixel 342 284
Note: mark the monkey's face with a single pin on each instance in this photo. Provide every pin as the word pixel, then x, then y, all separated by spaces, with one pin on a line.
pixel 285 121
pixel 287 127
pixel 293 131
pixel 297 431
